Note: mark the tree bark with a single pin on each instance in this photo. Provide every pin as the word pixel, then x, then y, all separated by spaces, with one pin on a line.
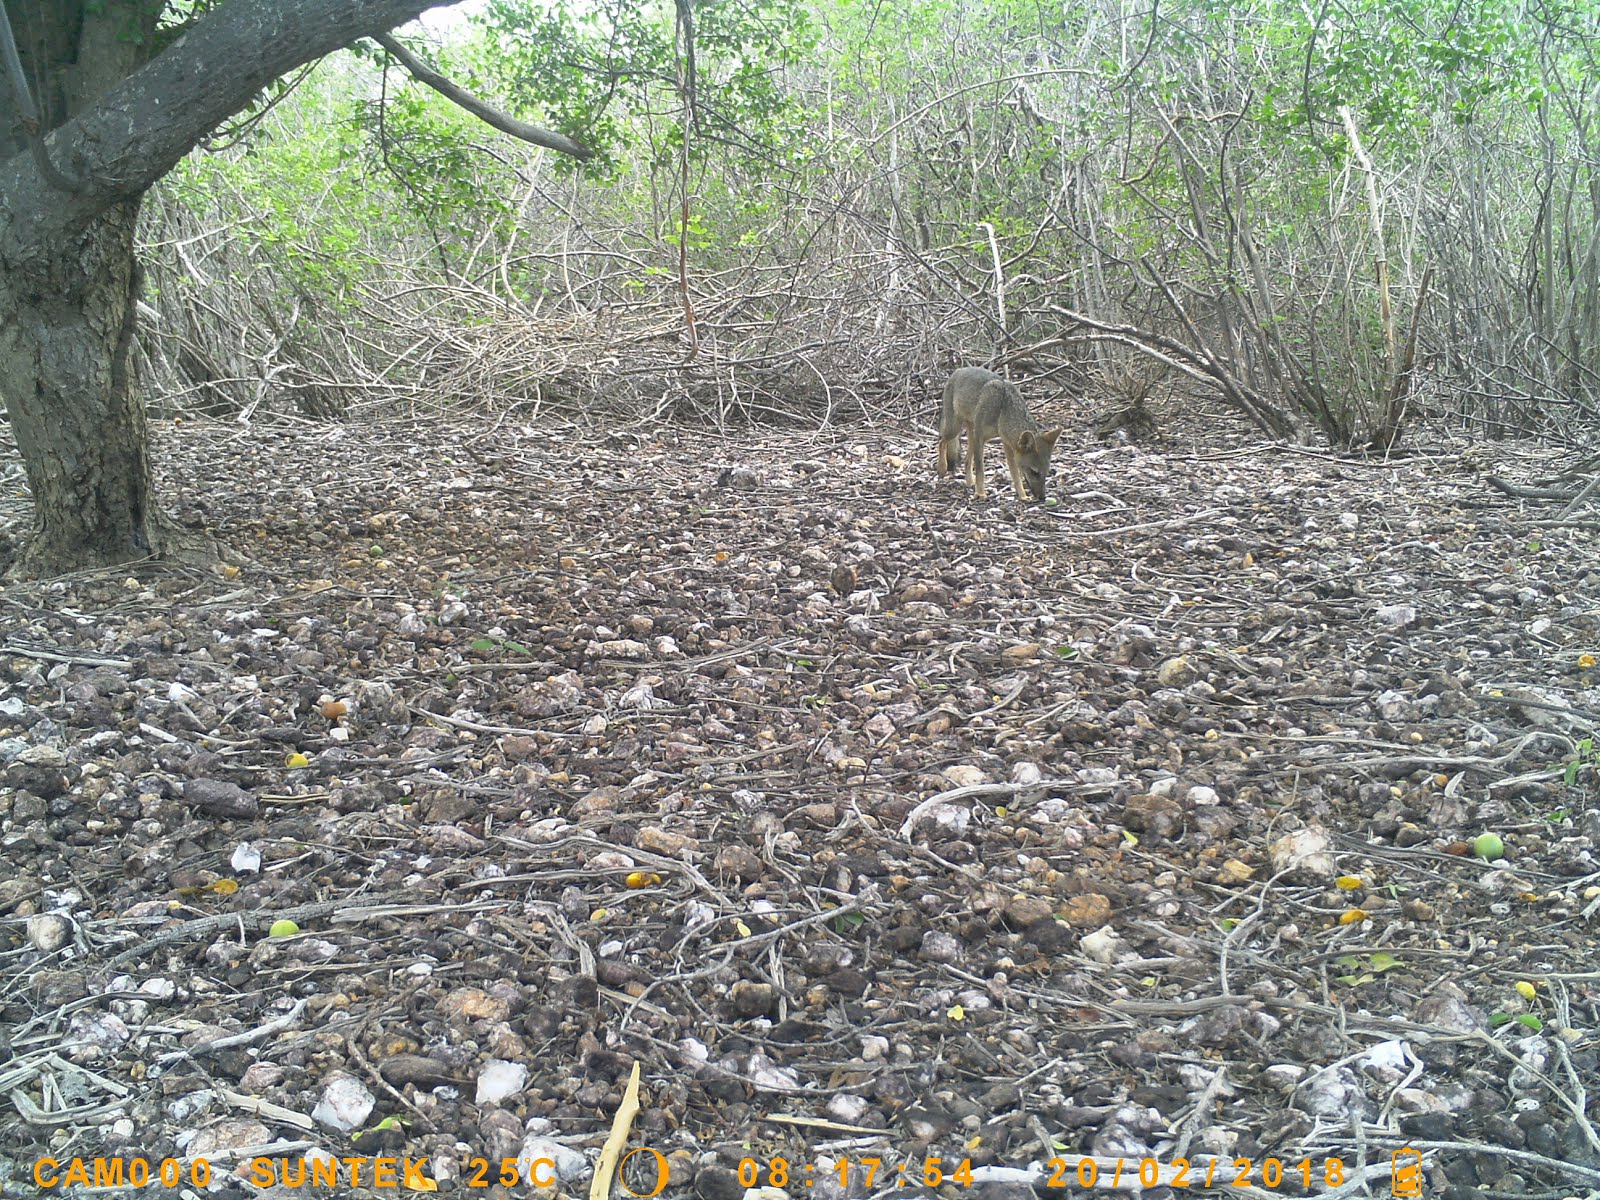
pixel 66 333
pixel 68 277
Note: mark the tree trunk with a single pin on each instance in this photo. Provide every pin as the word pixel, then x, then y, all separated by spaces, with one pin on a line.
pixel 66 330
pixel 68 279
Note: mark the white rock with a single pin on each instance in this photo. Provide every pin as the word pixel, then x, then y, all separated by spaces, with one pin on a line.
pixel 499 1079
pixel 693 1052
pixel 1416 1100
pixel 134 1012
pixel 1026 774
pixel 231 1134
pixel 313 950
pixel 846 1108
pixel 963 775
pixel 549 829
pixel 940 947
pixel 345 1104
pixel 1389 1060
pixel 42 756
pixel 1392 705
pixel 951 820
pixel 92 1035
pixel 49 932
pixel 246 859
pixel 568 1163
pixel 1397 616
pixel 1051 810
pixel 642 696
pixel 1333 1095
pixel 1528 1076
pixel 190 1105
pixel 1102 946
pixel 1305 850
pixel 770 1077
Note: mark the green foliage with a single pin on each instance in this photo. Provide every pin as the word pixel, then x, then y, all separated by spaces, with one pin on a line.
pixel 1106 147
pixel 294 194
pixel 615 75
pixel 1356 970
pixel 1530 1021
pixel 1399 66
pixel 504 646
pixel 1587 756
pixel 431 151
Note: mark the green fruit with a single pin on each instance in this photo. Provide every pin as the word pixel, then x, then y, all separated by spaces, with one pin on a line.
pixel 1488 846
pixel 283 929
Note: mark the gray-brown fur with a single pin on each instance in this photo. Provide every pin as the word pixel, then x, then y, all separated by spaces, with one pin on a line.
pixel 984 406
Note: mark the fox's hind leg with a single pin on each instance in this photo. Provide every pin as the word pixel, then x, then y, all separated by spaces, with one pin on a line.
pixel 975 464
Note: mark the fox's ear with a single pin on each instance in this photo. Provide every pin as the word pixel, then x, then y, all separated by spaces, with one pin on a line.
pixel 1049 439
pixel 1025 442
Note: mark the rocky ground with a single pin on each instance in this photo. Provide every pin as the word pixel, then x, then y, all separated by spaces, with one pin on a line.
pixel 867 821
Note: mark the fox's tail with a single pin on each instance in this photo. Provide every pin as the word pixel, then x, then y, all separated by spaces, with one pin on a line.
pixel 949 431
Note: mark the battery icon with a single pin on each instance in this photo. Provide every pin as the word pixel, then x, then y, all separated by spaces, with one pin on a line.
pixel 1405 1172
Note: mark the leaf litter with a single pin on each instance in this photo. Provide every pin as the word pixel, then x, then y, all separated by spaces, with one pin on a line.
pixel 861 819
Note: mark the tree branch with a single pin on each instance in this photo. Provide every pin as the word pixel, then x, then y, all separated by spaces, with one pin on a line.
pixel 155 116
pixel 489 116
pixel 28 110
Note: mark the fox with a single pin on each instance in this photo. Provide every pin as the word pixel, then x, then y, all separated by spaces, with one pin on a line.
pixel 985 406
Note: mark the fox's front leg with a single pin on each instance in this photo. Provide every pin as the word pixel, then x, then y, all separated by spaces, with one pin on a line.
pixel 1015 467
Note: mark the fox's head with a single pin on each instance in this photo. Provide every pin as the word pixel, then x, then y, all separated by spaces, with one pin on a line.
pixel 1033 458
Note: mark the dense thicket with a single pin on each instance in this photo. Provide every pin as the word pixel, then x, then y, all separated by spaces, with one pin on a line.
pixel 1325 217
